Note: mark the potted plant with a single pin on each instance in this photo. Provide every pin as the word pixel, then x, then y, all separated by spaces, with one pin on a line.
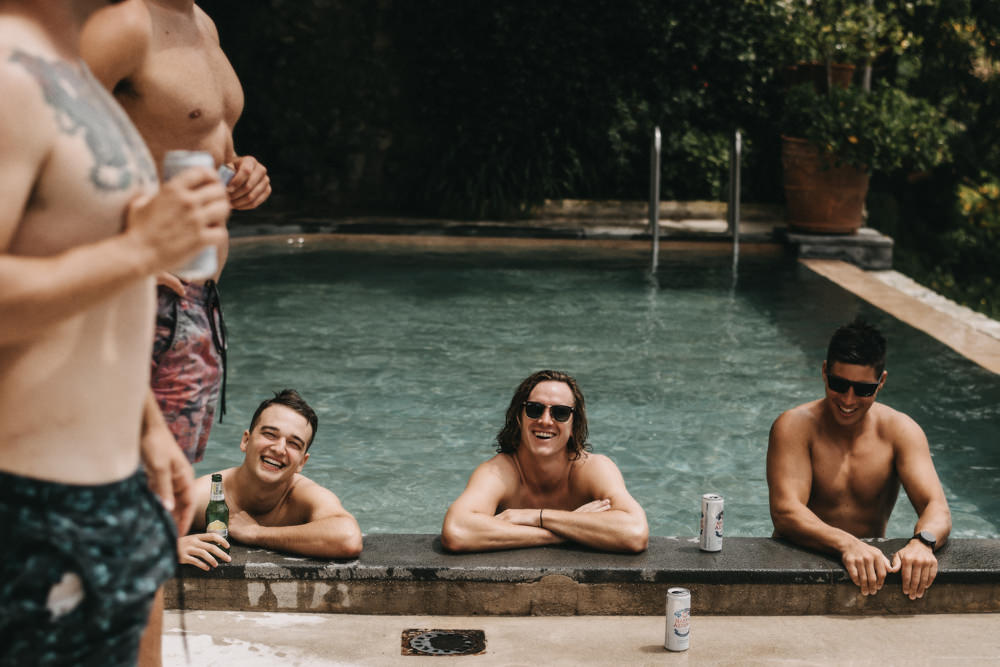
pixel 836 131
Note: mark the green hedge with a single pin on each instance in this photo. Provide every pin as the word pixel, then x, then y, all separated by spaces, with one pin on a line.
pixel 482 110
pixel 456 108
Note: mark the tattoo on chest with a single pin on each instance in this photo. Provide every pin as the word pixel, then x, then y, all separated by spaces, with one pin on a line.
pixel 82 109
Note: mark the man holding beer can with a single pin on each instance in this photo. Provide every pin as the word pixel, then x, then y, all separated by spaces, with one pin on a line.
pixel 163 62
pixel 835 465
pixel 83 230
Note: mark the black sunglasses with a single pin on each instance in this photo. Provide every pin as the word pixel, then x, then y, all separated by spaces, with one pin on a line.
pixel 561 413
pixel 861 389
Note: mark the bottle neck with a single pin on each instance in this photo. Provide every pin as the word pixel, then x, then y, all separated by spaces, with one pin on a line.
pixel 217 493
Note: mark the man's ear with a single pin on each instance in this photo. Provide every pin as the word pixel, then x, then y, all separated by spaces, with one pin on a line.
pixel 244 441
pixel 303 464
pixel 881 381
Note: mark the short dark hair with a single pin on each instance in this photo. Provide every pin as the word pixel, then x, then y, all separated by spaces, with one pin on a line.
pixel 857 343
pixel 509 437
pixel 290 399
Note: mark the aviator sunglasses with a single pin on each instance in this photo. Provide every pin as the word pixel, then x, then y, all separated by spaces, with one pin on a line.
pixel 861 389
pixel 561 413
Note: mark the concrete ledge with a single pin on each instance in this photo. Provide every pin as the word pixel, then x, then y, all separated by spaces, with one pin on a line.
pixel 412 574
pixel 867 249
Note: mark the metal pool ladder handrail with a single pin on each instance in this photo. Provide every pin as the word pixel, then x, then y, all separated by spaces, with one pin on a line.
pixel 733 210
pixel 654 197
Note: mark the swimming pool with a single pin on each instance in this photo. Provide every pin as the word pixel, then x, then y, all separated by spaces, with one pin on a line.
pixel 410 351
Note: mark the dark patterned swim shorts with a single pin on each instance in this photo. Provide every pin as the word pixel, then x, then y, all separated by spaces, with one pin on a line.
pixel 79 566
pixel 188 357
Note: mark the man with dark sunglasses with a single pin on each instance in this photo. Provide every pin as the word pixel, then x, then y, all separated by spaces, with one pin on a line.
pixel 834 467
pixel 543 486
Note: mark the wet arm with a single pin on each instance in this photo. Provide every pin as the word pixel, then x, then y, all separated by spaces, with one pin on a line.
pixel 328 532
pixel 622 527
pixel 471 523
pixel 921 482
pixel 789 481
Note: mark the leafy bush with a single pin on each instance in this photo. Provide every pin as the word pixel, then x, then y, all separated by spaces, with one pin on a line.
pixel 884 130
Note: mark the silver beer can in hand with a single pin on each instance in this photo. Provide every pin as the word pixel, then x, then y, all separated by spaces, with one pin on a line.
pixel 203 265
pixel 678 619
pixel 710 538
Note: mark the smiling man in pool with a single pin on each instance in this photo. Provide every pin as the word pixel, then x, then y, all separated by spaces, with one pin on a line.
pixel 544 487
pixel 271 504
pixel 834 467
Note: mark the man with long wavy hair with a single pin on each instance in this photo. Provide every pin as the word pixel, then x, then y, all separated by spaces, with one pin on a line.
pixel 544 486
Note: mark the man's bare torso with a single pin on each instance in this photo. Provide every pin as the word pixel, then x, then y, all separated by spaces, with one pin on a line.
pixel 71 399
pixel 854 484
pixel 566 492
pixel 186 94
pixel 286 510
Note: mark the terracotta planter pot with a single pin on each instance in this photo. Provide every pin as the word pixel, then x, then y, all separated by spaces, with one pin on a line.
pixel 819 197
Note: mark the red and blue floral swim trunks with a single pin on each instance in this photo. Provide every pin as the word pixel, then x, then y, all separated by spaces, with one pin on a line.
pixel 188 363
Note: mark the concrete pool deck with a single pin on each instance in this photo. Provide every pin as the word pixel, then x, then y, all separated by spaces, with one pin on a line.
pixel 222 639
pixel 759 601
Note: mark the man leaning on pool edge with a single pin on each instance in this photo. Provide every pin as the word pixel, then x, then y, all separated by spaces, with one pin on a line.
pixel 544 487
pixel 835 465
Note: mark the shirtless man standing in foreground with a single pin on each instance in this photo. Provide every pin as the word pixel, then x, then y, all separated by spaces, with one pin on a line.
pixel 271 503
pixel 163 62
pixel 82 232
pixel 834 467
pixel 543 487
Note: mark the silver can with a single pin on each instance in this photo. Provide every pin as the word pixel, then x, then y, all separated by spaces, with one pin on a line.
pixel 203 265
pixel 678 635
pixel 710 537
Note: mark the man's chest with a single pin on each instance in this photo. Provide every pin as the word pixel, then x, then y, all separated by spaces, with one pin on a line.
pixel 188 88
pixel 864 472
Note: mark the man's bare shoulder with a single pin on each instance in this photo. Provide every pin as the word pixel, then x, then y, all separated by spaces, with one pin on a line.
pixel 116 41
pixel 801 418
pixel 206 479
pixel 590 463
pixel 307 497
pixel 501 463
pixel 895 426
pixel 206 24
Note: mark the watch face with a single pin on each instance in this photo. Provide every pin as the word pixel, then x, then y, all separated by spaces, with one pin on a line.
pixel 927 537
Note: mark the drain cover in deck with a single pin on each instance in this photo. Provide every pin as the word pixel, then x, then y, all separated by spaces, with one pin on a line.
pixel 443 642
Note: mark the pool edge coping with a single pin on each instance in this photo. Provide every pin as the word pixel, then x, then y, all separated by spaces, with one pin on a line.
pixel 960 334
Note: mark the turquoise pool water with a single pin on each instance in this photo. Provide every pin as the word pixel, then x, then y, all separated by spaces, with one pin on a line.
pixel 410 355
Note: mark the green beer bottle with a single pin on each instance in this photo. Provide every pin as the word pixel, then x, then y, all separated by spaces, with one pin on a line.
pixel 217 512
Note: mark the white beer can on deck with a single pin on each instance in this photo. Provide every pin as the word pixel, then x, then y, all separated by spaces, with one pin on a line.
pixel 203 265
pixel 710 537
pixel 678 635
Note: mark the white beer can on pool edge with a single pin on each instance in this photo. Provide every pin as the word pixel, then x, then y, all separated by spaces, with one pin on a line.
pixel 710 537
pixel 203 265
pixel 678 619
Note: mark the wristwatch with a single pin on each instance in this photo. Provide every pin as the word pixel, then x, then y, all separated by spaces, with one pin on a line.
pixel 927 537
